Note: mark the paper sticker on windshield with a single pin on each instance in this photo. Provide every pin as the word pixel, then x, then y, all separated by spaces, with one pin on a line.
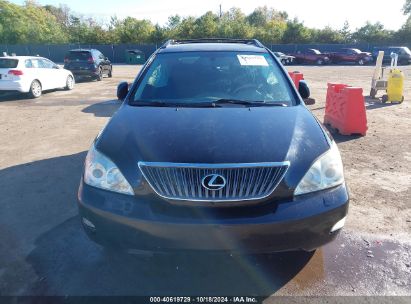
pixel 254 60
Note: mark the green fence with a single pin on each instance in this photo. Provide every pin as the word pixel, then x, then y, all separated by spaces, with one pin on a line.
pixel 118 53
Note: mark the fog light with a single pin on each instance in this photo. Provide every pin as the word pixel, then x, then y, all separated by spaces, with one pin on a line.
pixel 88 224
pixel 338 225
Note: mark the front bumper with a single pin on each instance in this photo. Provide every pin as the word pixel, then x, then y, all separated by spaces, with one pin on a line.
pixel 132 223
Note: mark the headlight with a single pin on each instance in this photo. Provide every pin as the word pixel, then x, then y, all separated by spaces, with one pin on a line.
pixel 325 173
pixel 102 173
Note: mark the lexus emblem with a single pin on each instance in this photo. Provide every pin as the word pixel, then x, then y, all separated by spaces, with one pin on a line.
pixel 214 182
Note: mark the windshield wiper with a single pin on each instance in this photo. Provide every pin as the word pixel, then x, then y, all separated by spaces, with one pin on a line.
pixel 254 103
pixel 144 103
pixel 211 104
pixel 149 103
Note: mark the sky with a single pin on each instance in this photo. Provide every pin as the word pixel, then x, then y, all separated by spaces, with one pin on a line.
pixel 314 13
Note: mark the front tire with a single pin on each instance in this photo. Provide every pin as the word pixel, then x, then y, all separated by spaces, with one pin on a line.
pixel 110 73
pixel 361 62
pixel 69 83
pixel 320 62
pixel 35 89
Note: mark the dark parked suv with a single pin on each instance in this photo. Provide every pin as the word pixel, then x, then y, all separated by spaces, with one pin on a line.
pixel 89 63
pixel 404 54
pixel 213 149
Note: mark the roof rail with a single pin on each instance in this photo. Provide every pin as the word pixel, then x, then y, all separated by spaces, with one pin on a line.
pixel 213 40
pixel 167 43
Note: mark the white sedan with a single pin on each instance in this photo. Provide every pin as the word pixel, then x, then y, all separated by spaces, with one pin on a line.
pixel 32 75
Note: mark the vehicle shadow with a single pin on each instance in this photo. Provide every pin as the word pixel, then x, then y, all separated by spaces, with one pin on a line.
pixel 11 96
pixel 103 109
pixel 339 138
pixel 16 96
pixel 44 234
pixel 74 265
pixel 85 80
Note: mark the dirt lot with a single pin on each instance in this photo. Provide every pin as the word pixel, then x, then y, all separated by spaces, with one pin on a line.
pixel 44 251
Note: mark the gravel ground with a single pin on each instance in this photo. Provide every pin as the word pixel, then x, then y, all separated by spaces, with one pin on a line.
pixel 44 251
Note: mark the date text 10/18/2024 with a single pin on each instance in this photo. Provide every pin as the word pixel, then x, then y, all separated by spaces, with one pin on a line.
pixel 197 300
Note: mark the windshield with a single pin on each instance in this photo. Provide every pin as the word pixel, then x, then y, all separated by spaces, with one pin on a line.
pixel 8 63
pixel 407 50
pixel 198 77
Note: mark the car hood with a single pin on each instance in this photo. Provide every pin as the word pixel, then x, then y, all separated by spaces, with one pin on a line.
pixel 213 135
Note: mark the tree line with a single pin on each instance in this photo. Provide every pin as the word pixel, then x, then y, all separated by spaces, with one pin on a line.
pixel 37 24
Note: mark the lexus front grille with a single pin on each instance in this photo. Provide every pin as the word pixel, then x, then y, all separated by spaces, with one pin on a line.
pixel 213 182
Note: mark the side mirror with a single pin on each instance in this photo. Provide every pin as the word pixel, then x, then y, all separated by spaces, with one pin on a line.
pixel 303 89
pixel 57 67
pixel 122 90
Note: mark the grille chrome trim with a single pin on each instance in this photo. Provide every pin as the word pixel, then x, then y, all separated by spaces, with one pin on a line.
pixel 182 181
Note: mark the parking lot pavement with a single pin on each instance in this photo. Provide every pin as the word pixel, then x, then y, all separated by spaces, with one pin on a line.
pixel 45 252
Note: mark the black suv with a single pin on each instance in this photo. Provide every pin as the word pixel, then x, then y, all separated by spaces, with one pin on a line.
pixel 213 149
pixel 89 63
pixel 404 54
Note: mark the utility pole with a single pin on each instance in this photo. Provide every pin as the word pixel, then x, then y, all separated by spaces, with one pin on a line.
pixel 221 12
